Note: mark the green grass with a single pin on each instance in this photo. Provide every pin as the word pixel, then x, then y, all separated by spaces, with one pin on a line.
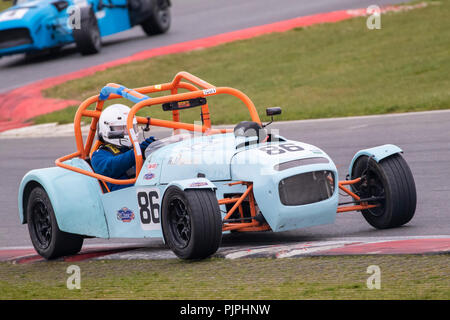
pixel 62 116
pixel 328 70
pixel 5 4
pixel 402 277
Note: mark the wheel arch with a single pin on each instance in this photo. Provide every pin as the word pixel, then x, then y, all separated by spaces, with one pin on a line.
pixel 65 189
pixel 186 184
pixel 377 153
pixel 197 183
pixel 30 185
pixel 204 216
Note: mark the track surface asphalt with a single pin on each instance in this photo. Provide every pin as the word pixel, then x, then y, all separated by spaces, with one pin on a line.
pixel 192 19
pixel 422 136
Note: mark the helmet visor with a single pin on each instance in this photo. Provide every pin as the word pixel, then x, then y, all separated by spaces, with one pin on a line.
pixel 121 128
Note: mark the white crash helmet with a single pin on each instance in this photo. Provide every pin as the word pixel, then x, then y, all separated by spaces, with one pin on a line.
pixel 112 125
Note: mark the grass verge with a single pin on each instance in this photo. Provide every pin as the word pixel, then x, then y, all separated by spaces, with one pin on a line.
pixel 5 4
pixel 344 277
pixel 328 70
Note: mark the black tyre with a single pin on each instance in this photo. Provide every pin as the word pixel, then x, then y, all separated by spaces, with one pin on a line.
pixel 159 20
pixel 191 222
pixel 87 37
pixel 47 239
pixel 392 181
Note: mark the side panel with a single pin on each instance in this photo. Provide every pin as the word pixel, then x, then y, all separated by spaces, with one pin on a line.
pixel 114 19
pixel 75 199
pixel 134 212
pixel 378 153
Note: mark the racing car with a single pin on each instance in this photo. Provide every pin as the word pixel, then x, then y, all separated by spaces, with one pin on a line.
pixel 203 181
pixel 30 26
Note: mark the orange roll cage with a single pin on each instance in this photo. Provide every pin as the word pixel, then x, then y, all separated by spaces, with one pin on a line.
pixel 197 88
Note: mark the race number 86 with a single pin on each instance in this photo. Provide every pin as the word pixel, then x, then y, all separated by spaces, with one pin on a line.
pixel 148 202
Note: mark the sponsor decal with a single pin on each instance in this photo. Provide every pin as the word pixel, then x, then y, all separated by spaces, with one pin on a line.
pixel 209 91
pixel 125 215
pixel 157 86
pixel 198 184
pixel 184 104
pixel 149 176
pixel 152 166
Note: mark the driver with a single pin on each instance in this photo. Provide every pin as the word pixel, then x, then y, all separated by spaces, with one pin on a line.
pixel 115 156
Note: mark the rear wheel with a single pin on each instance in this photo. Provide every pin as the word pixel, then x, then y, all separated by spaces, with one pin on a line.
pixel 87 36
pixel 392 183
pixel 192 223
pixel 47 239
pixel 159 19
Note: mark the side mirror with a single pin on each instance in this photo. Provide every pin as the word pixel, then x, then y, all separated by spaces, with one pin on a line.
pixel 270 112
pixel 273 111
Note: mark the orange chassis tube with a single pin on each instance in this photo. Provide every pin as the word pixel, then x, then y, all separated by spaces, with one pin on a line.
pixel 196 88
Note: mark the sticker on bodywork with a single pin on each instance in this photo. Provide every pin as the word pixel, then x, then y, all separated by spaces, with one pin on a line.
pixel 152 166
pixel 209 91
pixel 149 176
pixel 148 200
pixel 198 184
pixel 125 215
pixel 282 148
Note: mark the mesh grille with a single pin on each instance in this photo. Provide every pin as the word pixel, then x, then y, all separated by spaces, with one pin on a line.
pixel 306 188
pixel 14 37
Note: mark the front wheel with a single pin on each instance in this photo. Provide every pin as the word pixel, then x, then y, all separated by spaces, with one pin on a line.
pixel 159 19
pixel 47 239
pixel 391 183
pixel 87 34
pixel 191 222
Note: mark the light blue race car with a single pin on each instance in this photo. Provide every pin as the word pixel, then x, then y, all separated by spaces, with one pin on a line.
pixel 34 25
pixel 200 182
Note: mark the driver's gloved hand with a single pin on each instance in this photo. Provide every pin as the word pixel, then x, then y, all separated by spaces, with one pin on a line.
pixel 144 144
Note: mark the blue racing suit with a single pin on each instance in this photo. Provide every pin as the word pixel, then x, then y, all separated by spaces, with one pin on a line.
pixel 116 162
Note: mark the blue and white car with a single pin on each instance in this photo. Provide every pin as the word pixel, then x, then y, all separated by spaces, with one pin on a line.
pixel 35 25
pixel 190 188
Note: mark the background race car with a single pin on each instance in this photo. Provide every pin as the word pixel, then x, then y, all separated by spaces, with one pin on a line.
pixel 30 26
